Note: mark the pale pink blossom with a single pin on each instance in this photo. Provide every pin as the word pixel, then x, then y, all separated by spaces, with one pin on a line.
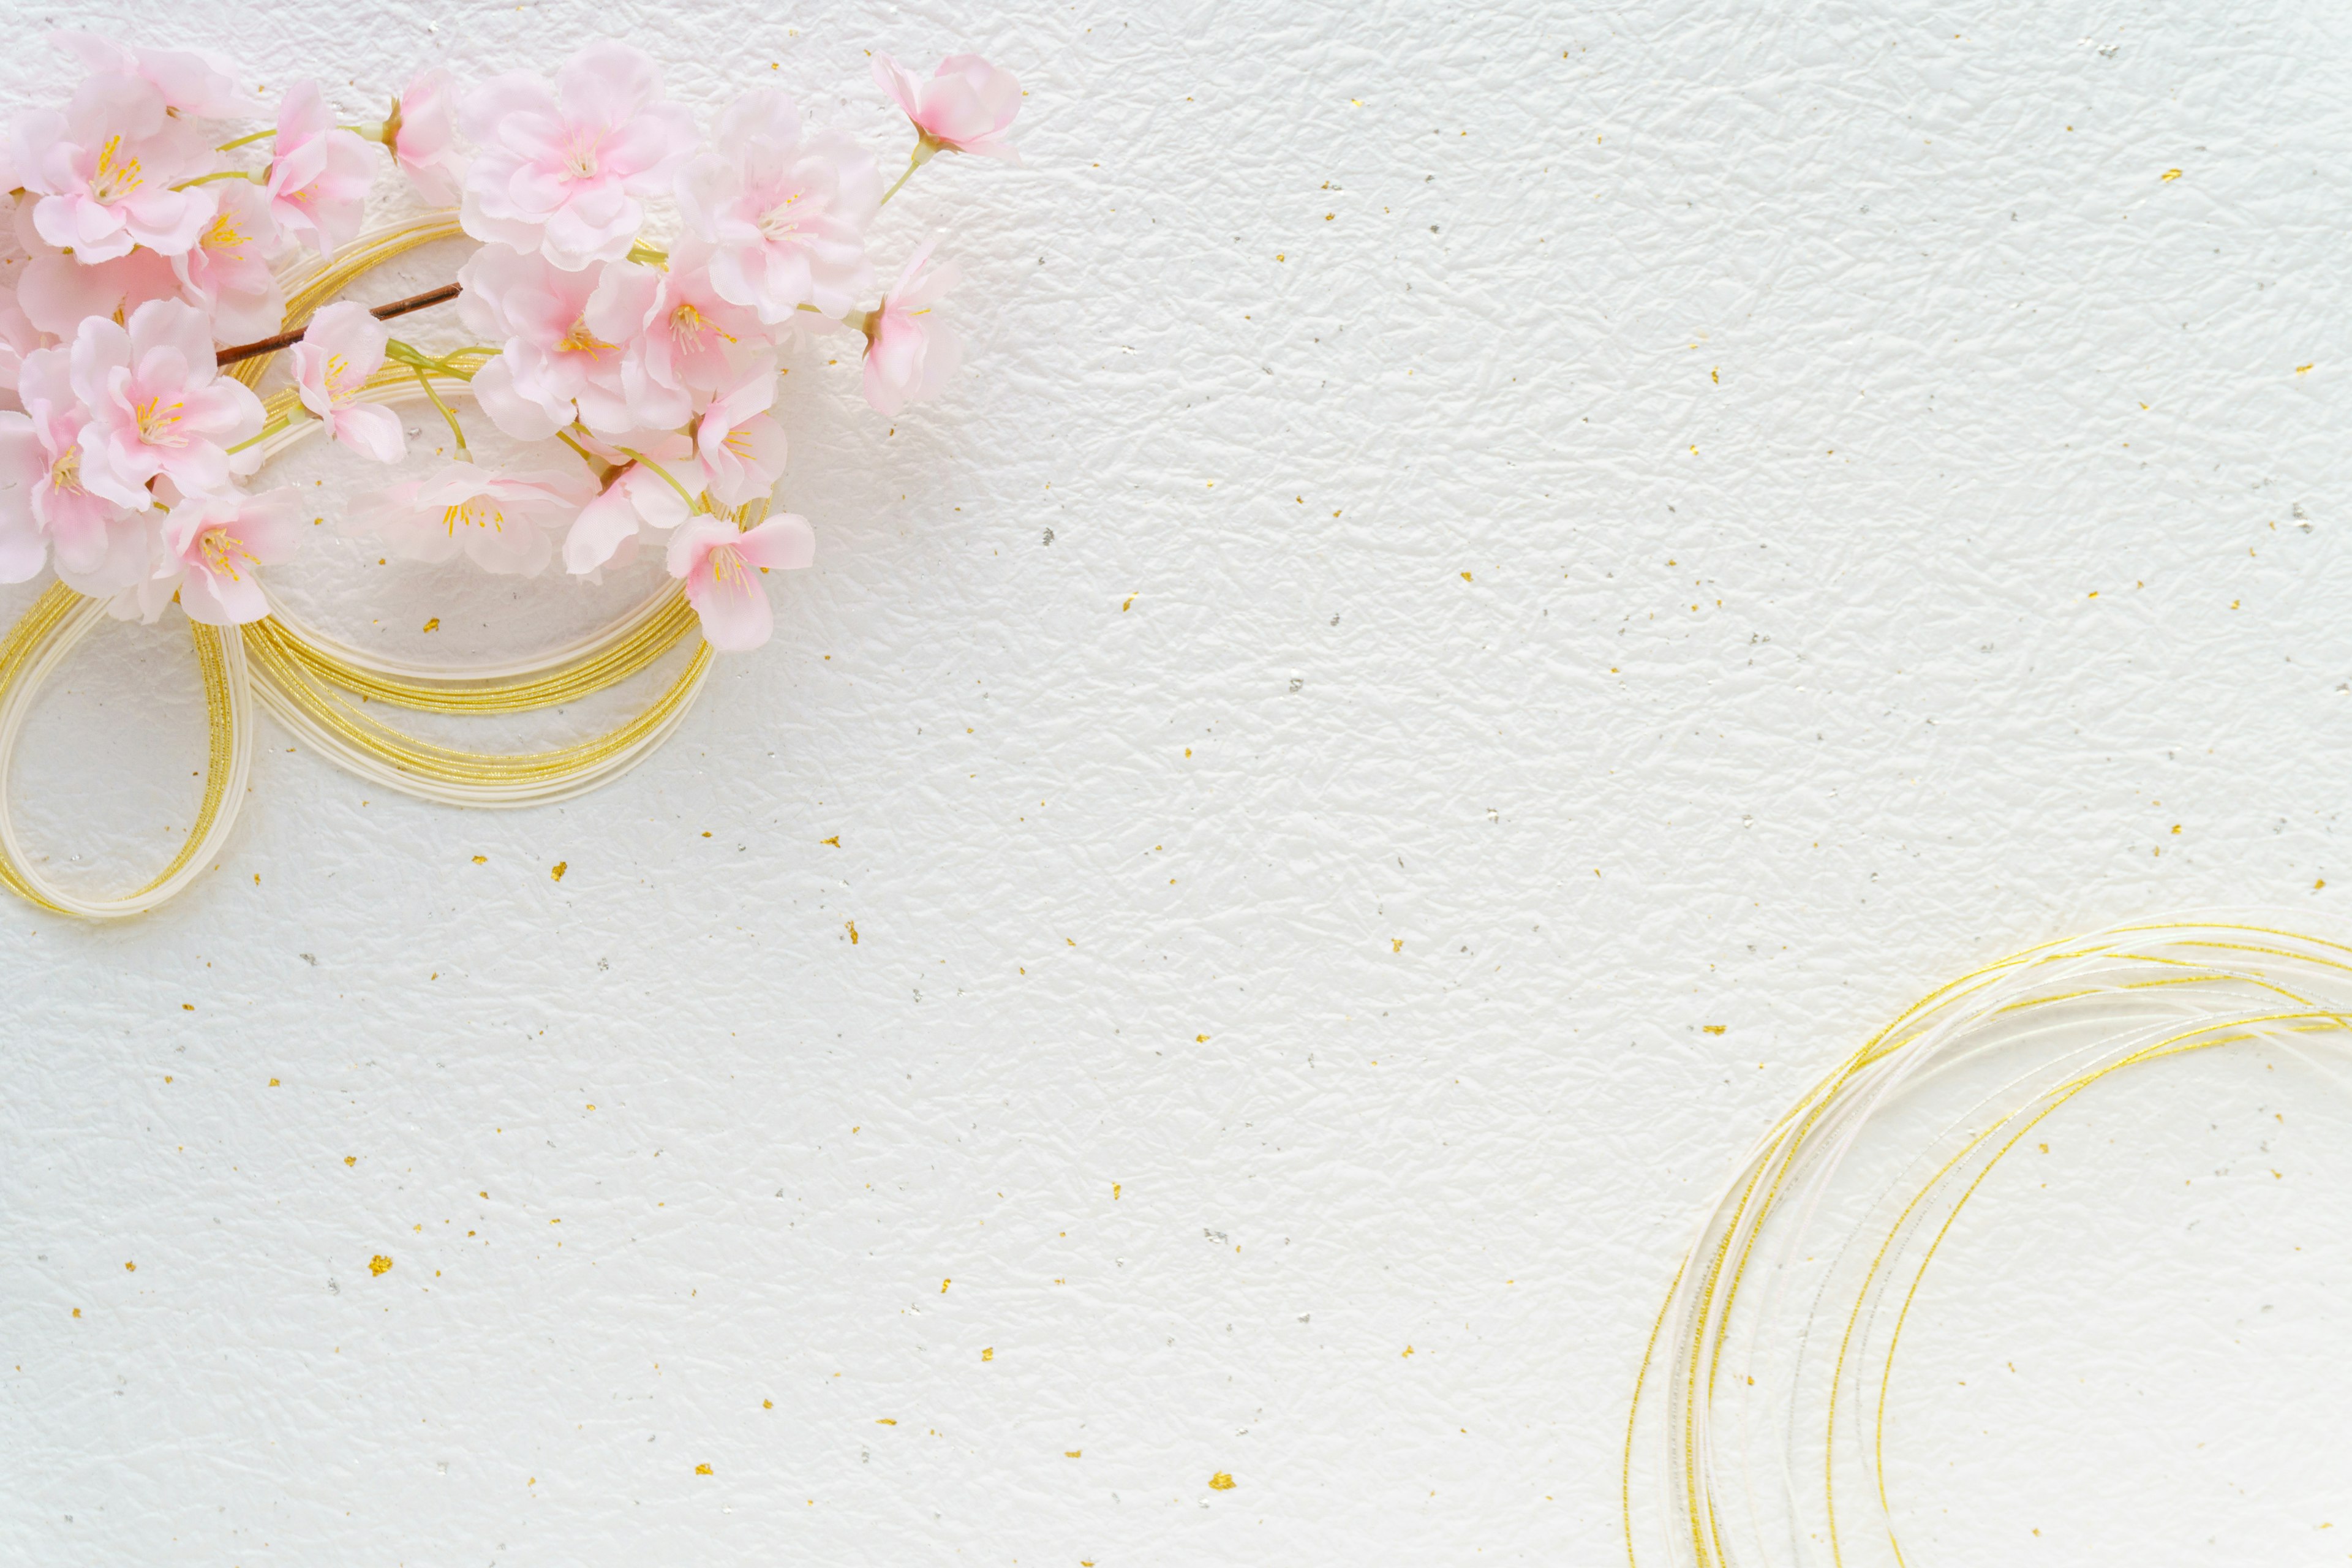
pixel 192 81
pixel 562 171
pixel 319 173
pixel 40 470
pixel 342 347
pixel 227 273
pixel 156 404
pixel 966 106
pixel 499 520
pixel 105 167
pixel 571 344
pixel 722 567
pixel 123 570
pixel 58 294
pixel 785 219
pixel 699 340
pixel 909 354
pixel 24 549
pixel 18 337
pixel 742 449
pixel 607 529
pixel 211 545
pixel 423 136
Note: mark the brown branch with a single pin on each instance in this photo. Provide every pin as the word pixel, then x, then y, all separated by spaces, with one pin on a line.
pixel 442 295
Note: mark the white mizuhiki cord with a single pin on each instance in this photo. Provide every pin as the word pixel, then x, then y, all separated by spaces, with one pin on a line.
pixel 373 768
pixel 394 669
pixel 362 763
pixel 18 705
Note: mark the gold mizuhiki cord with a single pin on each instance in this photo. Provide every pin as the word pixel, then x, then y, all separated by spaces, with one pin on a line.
pixel 2061 1017
pixel 307 680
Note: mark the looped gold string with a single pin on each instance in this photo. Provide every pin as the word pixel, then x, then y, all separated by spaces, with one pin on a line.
pixel 2075 1013
pixel 41 639
pixel 307 681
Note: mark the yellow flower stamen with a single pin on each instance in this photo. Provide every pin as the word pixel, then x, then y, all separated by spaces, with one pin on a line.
pixel 779 220
pixel 221 550
pixel 226 237
pixel 580 341
pixel 474 511
pixel 112 181
pixel 159 422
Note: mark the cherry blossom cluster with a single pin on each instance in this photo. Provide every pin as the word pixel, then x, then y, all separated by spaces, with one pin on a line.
pixel 634 286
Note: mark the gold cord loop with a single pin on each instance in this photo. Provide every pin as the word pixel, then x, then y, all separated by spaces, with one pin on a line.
pixel 307 680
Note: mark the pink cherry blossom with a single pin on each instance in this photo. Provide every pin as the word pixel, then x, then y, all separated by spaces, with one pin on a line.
pixel 123 570
pixel 18 337
pixel 192 81
pixel 423 136
pixel 742 449
pixel 606 532
pixel 721 569
pixel 211 544
pixel 908 355
pixel 56 293
pixel 342 347
pixel 499 520
pixel 319 173
pixel 785 219
pixel 23 549
pixel 40 468
pixel 227 273
pixel 699 340
pixel 966 106
pixel 156 404
pixel 561 173
pixel 104 171
pixel 571 344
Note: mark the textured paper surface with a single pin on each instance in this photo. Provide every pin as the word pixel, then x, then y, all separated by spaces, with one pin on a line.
pixel 1473 546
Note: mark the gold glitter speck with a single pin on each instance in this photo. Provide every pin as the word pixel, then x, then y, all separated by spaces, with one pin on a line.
pixel 1222 1481
pixel 560 867
pixel 703 1470
pixel 379 1264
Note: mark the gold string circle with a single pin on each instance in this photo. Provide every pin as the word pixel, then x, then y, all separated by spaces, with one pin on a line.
pixel 2048 1024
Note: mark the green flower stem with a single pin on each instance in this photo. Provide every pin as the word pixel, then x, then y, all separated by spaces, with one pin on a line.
pixel 223 174
pixel 924 148
pixel 692 504
pixel 265 432
pixel 447 413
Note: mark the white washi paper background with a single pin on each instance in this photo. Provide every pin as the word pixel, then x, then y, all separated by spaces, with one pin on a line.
pixel 1473 548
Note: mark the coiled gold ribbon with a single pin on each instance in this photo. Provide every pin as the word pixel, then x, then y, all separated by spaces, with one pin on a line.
pixel 309 681
pixel 1744 1471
